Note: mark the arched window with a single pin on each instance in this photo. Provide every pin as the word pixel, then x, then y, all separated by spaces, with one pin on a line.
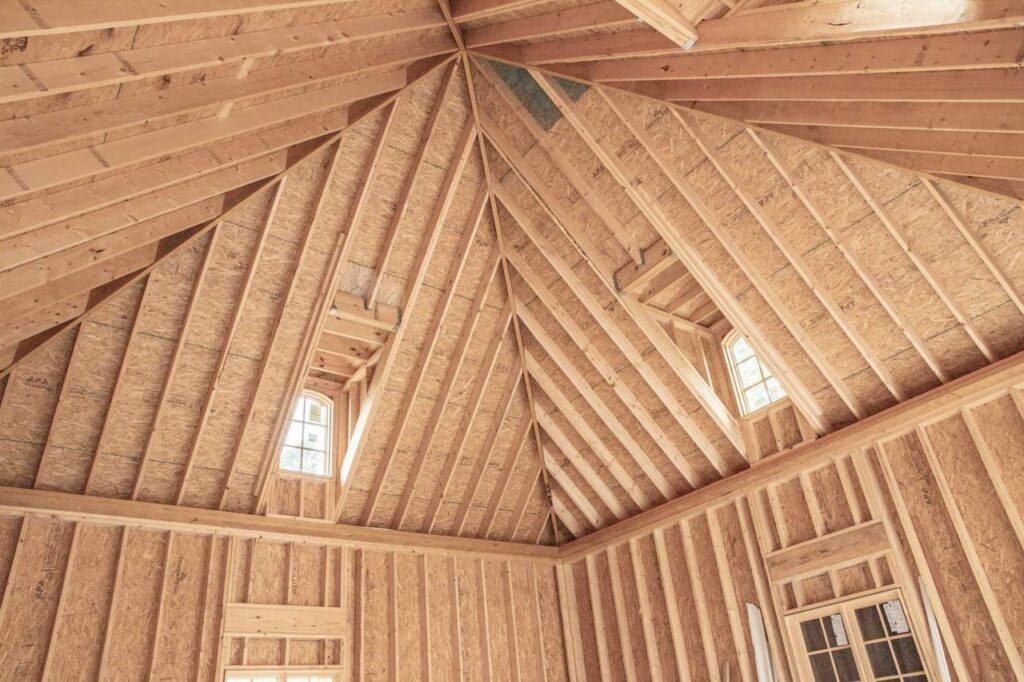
pixel 307 447
pixel 755 385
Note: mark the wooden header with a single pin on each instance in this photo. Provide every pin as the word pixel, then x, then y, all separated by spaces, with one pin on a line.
pixel 74 507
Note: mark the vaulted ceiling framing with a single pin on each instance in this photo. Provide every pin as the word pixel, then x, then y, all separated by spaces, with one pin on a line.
pixel 202 209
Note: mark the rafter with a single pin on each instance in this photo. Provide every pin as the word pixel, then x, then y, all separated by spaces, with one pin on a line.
pixel 648 204
pixel 21 135
pixel 499 235
pixel 433 336
pixel 413 289
pixel 404 198
pixel 441 402
pixel 58 76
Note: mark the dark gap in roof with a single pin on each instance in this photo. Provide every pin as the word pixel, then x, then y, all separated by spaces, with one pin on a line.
pixel 532 96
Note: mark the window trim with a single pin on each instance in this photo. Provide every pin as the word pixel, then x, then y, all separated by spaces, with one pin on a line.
pixel 329 428
pixel 739 393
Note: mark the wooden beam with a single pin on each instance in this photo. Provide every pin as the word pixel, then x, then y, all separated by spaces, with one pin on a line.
pixel 572 491
pixel 854 335
pixel 597 359
pixel 148 515
pixel 21 135
pixel 409 186
pixel 54 17
pixel 508 467
pixel 82 72
pixel 468 10
pixel 841 243
pixel 620 431
pixel 413 289
pixel 666 18
pixel 983 384
pixel 996 49
pixel 228 337
pixel 595 443
pixel 484 455
pixel 607 13
pixel 924 116
pixel 595 200
pixel 433 336
pixel 685 250
pixel 580 464
pixel 793 24
pixel 987 85
pixel 470 410
pixel 611 327
pixel 926 271
pixel 458 356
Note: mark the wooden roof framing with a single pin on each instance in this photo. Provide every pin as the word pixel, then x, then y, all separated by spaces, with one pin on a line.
pixel 202 207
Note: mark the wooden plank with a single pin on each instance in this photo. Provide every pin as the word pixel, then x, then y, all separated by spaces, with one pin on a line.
pixel 817 555
pixel 549 24
pixel 51 17
pixel 70 74
pixel 995 49
pixel 207 521
pixel 266 620
pixel 665 17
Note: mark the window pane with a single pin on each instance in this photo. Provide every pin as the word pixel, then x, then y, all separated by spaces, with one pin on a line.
pixel 300 409
pixel 314 437
pixel 821 666
pixel 870 625
pixel 756 397
pixel 835 631
pixel 294 436
pixel 881 659
pixel 291 458
pixel 814 638
pixel 775 391
pixel 846 667
pixel 741 350
pixel 315 412
pixel 906 655
pixel 313 462
pixel 749 372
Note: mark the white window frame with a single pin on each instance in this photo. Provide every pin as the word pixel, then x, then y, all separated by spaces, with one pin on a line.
pixel 328 429
pixel 847 607
pixel 737 383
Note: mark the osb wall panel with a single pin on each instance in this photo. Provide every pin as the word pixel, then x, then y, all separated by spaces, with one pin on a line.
pixel 948 495
pixel 83 601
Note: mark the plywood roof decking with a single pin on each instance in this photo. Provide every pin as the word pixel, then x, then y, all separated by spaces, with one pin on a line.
pixel 200 210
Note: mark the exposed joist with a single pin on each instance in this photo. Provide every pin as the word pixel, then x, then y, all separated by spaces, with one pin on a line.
pixel 441 402
pixel 52 17
pixel 684 250
pixel 413 289
pixel 666 18
pixel 81 72
pixel 433 336
pixel 604 14
pixel 405 196
pixel 599 361
pixel 994 50
pixel 791 24
pixel 103 510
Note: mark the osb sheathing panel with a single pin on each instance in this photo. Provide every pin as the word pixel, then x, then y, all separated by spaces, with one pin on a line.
pixel 961 595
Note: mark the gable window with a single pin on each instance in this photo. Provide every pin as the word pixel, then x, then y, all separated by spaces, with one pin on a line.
pixel 307 445
pixel 755 384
